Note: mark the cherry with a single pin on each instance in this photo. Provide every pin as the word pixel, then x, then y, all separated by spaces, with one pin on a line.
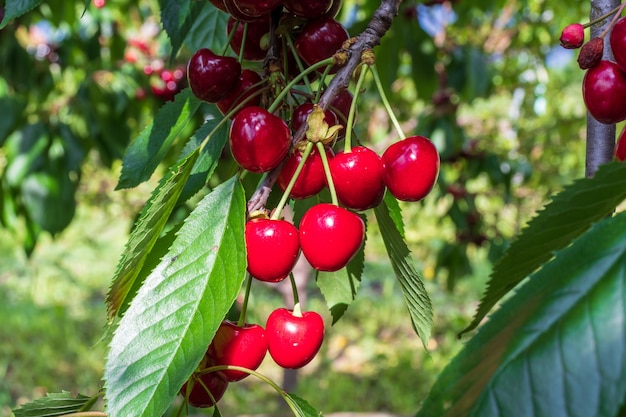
pixel 320 39
pixel 330 236
pixel 302 112
pixel 311 179
pixel 212 77
pixel 618 42
pixel 358 180
pixel 197 394
pixel 249 83
pixel 620 148
pixel 340 105
pixel 294 339
pixel 255 48
pixel 219 4
pixel 410 168
pixel 604 89
pixel 334 8
pixel 273 248
pixel 249 10
pixel 308 9
pixel 238 346
pixel 259 141
pixel 572 36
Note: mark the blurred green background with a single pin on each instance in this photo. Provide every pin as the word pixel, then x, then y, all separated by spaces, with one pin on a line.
pixel 485 80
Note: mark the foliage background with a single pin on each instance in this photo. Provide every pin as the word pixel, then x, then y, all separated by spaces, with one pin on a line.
pixel 508 118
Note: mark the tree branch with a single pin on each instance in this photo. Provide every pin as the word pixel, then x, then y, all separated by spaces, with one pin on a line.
pixel 369 38
pixel 600 136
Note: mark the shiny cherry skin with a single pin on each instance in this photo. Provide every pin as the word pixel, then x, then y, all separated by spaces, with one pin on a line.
pixel 604 89
pixel 312 178
pixel 410 168
pixel 249 83
pixel 618 42
pixel 358 178
pixel 308 9
pixel 244 346
pixel 330 236
pixel 249 10
pixel 259 140
pixel 294 340
pixel 320 39
pixel 272 247
pixel 198 396
pixel 255 48
pixel 302 112
pixel 212 77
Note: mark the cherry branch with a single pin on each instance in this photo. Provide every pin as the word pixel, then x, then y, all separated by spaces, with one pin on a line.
pixel 368 39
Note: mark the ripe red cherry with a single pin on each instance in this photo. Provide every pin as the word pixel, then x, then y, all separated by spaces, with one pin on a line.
pixel 294 339
pixel 620 147
pixel 330 236
pixel 259 141
pixel 320 39
pixel 302 112
pixel 358 179
pixel 618 42
pixel 198 395
pixel 334 8
pixel 410 168
pixel 255 48
pixel 238 346
pixel 308 9
pixel 312 178
pixel 340 105
pixel 572 36
pixel 249 83
pixel 604 89
pixel 273 247
pixel 212 77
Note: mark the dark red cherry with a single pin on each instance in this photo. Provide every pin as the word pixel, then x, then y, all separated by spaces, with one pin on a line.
pixel 272 248
pixel 219 4
pixel 334 8
pixel 308 9
pixel 618 42
pixel 249 84
pixel 604 89
pixel 244 346
pixel 330 236
pixel 320 39
pixel 259 141
pixel 358 179
pixel 249 10
pixel 620 147
pixel 302 112
pixel 410 168
pixel 294 338
pixel 212 77
pixel 312 178
pixel 196 393
pixel 257 44
pixel 340 105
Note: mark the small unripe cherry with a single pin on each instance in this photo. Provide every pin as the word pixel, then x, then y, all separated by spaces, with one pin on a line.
pixel 572 36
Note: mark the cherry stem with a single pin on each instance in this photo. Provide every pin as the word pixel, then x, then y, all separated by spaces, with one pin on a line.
pixel 322 82
pixel 285 197
pixel 244 307
pixel 601 18
pixel 243 42
pixel 279 98
pixel 610 25
pixel 296 57
pixel 329 178
pixel 383 97
pixel 296 298
pixel 347 145
pixel 230 38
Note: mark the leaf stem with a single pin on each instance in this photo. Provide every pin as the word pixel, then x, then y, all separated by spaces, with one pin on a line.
pixel 347 145
pixel 329 178
pixel 285 197
pixel 244 306
pixel 383 97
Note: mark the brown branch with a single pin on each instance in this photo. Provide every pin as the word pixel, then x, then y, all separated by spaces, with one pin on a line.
pixel 369 38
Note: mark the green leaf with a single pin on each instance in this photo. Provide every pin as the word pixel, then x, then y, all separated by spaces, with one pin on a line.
pixel 53 404
pixel 569 215
pixel 556 348
pixel 417 299
pixel 178 17
pixel 208 30
pixel 173 318
pixel 209 156
pixel 339 288
pixel 16 8
pixel 147 150
pixel 151 222
pixel 395 212
pixel 301 407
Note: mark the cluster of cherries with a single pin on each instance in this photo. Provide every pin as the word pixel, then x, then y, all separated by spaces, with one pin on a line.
pixel 604 83
pixel 261 140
